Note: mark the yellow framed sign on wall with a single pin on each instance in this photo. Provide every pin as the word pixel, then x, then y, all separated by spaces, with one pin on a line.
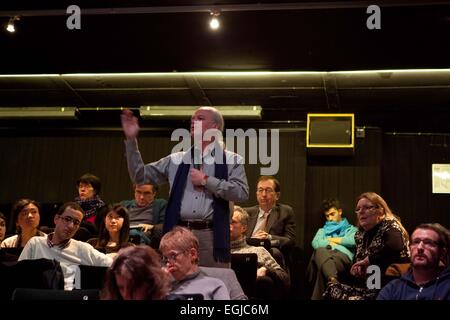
pixel 330 134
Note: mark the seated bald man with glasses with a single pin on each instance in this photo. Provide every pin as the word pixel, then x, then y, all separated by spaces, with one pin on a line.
pixel 60 246
pixel 180 258
pixel 429 276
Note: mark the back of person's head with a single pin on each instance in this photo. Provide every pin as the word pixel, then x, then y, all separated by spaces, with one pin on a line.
pixel 17 208
pixel 124 232
pixel 142 277
pixel 443 235
pixel 94 181
pixel 180 239
pixel 380 203
pixel 243 215
pixel 276 183
pixel 329 203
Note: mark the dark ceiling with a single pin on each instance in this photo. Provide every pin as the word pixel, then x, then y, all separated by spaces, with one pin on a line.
pixel 173 37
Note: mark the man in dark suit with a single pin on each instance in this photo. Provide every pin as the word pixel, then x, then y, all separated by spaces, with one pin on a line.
pixel 269 220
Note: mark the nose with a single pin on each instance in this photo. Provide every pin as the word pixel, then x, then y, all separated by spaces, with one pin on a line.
pixel 420 246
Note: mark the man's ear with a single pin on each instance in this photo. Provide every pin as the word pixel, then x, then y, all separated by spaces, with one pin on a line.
pixel 55 218
pixel 277 195
pixel 194 253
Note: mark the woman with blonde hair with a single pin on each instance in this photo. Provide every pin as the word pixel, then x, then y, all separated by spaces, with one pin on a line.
pixel 381 240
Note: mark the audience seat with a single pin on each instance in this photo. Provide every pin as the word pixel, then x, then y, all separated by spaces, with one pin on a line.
pixel 46 294
pixel 245 266
pixel 92 277
pixel 37 274
pixel 228 276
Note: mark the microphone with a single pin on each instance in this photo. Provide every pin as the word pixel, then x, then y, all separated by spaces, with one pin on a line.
pixel 197 163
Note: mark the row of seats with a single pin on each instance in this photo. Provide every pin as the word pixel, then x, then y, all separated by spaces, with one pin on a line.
pixel 25 279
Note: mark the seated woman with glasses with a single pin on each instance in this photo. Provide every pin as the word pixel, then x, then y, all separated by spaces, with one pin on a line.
pixel 381 240
pixel 114 230
pixel 180 258
pixel 26 218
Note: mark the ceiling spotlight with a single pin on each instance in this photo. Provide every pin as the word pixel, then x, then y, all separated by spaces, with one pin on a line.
pixel 214 23
pixel 10 26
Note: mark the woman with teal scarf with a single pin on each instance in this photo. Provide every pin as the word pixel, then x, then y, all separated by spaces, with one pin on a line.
pixel 333 245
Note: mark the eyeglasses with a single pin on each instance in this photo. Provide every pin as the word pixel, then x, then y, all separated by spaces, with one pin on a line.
pixel 145 193
pixel 427 243
pixel 267 190
pixel 68 220
pixel 368 208
pixel 171 258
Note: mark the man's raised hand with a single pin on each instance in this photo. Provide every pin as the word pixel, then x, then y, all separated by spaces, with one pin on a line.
pixel 130 124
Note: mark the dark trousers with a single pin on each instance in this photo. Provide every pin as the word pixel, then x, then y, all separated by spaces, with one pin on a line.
pixel 325 263
pixel 206 246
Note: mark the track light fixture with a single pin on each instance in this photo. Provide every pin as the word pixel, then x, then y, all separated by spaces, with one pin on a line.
pixel 185 112
pixel 214 22
pixel 10 27
pixel 38 113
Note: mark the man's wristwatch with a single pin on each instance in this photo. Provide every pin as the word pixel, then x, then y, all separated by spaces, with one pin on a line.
pixel 204 180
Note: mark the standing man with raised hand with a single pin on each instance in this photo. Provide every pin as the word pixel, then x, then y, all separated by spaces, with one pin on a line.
pixel 200 190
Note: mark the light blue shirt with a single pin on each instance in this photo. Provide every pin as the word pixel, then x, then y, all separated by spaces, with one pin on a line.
pixel 195 204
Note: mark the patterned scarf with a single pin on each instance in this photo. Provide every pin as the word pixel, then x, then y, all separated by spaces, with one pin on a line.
pixel 90 206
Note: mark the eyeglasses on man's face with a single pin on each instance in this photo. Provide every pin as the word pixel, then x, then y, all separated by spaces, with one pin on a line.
pixel 365 209
pixel 172 257
pixel 428 243
pixel 143 193
pixel 69 220
pixel 266 190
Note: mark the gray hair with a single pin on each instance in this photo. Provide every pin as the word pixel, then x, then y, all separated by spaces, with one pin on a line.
pixel 243 215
